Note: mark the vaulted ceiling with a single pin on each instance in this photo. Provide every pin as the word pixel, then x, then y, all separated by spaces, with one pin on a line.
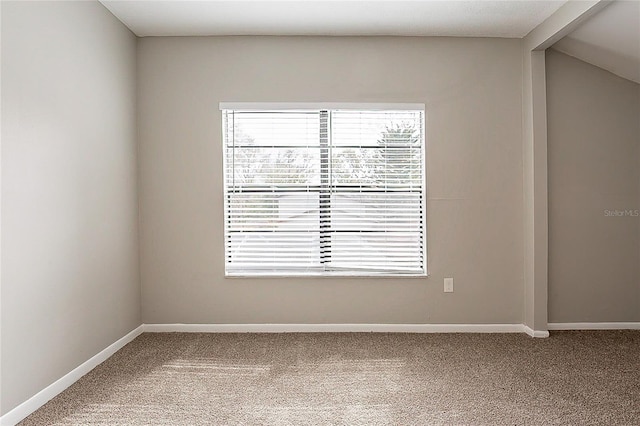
pixel 610 40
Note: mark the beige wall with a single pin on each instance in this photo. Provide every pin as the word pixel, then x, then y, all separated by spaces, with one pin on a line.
pixel 594 165
pixel 472 90
pixel 70 278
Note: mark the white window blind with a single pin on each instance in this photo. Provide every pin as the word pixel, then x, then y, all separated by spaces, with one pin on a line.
pixel 320 191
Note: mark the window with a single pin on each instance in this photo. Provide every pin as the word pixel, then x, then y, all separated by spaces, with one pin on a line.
pixel 324 189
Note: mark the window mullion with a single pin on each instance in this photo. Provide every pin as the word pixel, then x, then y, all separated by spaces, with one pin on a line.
pixel 325 192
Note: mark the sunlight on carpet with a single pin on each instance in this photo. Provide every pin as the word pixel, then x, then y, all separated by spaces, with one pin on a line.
pixel 358 379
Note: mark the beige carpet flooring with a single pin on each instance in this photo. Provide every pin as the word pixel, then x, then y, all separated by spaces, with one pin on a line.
pixel 571 378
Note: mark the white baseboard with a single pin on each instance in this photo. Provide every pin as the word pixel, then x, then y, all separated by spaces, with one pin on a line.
pixel 334 328
pixel 535 333
pixel 594 326
pixel 38 400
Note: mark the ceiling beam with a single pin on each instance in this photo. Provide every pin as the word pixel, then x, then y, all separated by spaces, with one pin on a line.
pixel 562 22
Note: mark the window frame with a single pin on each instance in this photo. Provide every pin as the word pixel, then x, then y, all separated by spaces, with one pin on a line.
pixel 324 106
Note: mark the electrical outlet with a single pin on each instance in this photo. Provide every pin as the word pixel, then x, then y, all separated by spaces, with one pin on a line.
pixel 448 285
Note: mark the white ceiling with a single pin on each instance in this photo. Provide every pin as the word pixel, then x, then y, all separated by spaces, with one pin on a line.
pixel 609 40
pixel 479 18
